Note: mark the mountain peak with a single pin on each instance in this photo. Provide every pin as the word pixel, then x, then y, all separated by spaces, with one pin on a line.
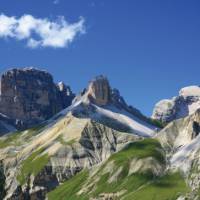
pixel 186 103
pixel 29 96
pixel 99 91
pixel 193 90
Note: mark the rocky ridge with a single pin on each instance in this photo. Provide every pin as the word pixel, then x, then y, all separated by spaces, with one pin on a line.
pixel 100 148
pixel 181 141
pixel 29 96
pixel 186 103
pixel 79 137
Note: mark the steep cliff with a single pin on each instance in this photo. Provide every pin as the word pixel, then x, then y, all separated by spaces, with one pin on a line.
pixel 29 96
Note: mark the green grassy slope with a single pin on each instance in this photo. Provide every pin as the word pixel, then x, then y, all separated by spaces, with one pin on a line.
pixel 168 187
pixel 19 137
pixel 135 186
pixel 32 165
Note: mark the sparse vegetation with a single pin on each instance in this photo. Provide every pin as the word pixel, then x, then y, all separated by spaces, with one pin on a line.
pixel 64 142
pixel 69 189
pixel 157 123
pixel 137 186
pixel 10 139
pixel 140 149
pixel 18 137
pixel 32 165
pixel 168 187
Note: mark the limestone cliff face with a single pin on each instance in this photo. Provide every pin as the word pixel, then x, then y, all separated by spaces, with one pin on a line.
pixel 29 96
pixel 99 91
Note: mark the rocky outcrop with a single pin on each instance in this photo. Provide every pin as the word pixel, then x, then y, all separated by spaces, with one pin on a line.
pixel 186 103
pixel 66 94
pixel 99 91
pixel 2 181
pixel 6 124
pixel 29 96
pixel 180 132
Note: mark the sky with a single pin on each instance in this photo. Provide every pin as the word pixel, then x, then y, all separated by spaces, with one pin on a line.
pixel 148 49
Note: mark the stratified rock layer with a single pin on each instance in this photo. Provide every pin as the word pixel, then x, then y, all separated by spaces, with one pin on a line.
pixel 29 96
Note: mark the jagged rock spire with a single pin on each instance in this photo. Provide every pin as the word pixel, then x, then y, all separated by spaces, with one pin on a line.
pixel 99 91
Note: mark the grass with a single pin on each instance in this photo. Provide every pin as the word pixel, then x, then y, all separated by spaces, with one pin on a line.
pixel 137 186
pixel 157 123
pixel 69 189
pixel 32 165
pixel 168 187
pixel 124 182
pixel 18 137
pixel 10 139
pixel 140 149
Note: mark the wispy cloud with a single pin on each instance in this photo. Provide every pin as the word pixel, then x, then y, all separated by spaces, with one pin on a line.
pixel 41 32
pixel 56 1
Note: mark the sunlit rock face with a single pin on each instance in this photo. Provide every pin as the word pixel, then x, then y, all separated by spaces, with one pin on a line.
pixel 99 91
pixel 186 103
pixel 30 96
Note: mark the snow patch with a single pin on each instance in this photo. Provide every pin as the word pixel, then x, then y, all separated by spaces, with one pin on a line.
pixel 183 157
pixel 138 126
pixel 193 90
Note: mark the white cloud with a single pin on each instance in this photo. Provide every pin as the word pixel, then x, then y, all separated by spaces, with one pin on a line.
pixel 40 32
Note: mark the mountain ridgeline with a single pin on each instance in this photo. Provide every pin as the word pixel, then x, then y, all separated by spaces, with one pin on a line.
pixel 29 96
pixel 93 146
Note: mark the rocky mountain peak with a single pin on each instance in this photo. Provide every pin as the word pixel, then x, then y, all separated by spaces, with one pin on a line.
pixel 100 97
pixel 65 88
pixel 29 96
pixel 99 91
pixel 193 90
pixel 186 103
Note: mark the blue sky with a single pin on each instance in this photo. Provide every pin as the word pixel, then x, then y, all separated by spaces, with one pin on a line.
pixel 148 49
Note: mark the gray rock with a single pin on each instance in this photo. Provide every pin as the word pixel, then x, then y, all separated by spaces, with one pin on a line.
pixel 186 103
pixel 29 96
pixel 99 91
pixel 66 94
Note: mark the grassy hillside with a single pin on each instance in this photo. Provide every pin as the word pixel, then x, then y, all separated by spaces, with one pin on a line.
pixel 128 174
pixel 32 165
pixel 19 137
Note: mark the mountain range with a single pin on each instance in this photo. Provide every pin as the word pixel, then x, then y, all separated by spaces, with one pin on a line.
pixel 93 145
